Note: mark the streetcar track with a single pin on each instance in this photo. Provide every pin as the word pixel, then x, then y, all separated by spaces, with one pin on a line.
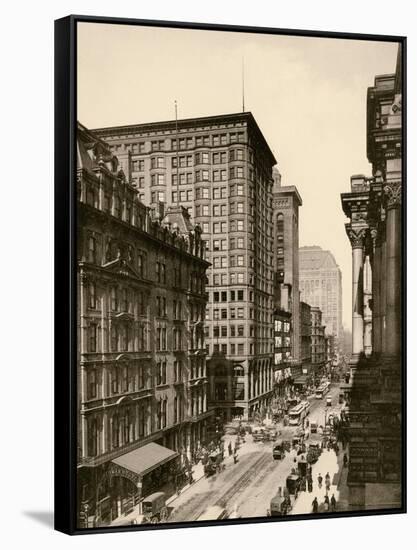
pixel 238 484
pixel 242 482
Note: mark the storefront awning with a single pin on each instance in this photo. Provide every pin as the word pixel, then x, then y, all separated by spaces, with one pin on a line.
pixel 145 459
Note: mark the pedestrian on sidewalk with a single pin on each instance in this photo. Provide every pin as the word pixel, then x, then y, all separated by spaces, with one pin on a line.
pixel 326 503
pixel 320 480
pixel 345 460
pixel 229 448
pixel 333 503
pixel 315 505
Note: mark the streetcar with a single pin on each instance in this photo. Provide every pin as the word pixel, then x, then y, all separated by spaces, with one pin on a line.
pixel 322 390
pixel 298 413
pixel 292 402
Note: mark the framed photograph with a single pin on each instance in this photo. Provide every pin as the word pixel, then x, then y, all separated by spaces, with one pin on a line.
pixel 230 274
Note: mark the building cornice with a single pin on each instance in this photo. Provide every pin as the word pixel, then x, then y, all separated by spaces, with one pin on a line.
pixel 185 124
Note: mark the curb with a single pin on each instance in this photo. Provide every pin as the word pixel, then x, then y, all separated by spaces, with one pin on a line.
pixel 184 490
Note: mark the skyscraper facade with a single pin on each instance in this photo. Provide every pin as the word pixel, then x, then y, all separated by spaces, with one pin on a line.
pixel 321 286
pixel 220 169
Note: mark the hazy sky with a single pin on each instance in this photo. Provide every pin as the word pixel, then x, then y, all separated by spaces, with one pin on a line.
pixel 308 96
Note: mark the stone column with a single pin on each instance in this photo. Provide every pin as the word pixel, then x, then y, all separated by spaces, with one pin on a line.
pixel 367 312
pixel 104 444
pixel 205 398
pixel 356 238
pixel 84 436
pixel 383 289
pixel 376 298
pixel 393 268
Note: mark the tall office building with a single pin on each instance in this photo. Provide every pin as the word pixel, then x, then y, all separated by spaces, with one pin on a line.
pixel 220 169
pixel 321 286
pixel 286 204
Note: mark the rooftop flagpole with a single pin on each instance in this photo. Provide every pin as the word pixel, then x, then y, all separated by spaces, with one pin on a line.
pixel 243 84
pixel 177 148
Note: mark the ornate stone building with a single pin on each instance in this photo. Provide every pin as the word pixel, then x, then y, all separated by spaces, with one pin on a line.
pixel 374 208
pixel 220 169
pixel 142 381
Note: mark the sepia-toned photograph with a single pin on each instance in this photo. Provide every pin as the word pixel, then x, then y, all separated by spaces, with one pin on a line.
pixel 239 275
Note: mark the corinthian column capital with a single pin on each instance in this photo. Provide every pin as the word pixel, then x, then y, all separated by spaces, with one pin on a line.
pixel 356 236
pixel 392 192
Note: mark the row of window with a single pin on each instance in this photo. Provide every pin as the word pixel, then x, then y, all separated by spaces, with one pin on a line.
pixel 122 338
pixel 217 209
pixel 281 357
pixel 121 379
pixel 234 331
pixel 282 326
pixel 238 313
pixel 213 140
pixel 234 278
pixel 221 244
pixel 238 295
pixel 230 349
pixel 125 379
pixel 123 299
pixel 234 313
pixel 280 341
pixel 236 172
pixel 124 427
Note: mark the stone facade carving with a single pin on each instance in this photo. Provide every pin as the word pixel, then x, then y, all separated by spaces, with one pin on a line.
pixel 392 191
pixel 356 236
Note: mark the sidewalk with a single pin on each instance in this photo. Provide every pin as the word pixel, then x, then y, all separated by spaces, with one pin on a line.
pixel 198 469
pixel 340 480
pixel 197 473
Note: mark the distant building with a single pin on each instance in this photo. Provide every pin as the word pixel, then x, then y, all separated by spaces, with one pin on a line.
pixel 286 204
pixel 321 286
pixel 141 365
pixel 306 333
pixel 282 349
pixel 330 349
pixel 318 344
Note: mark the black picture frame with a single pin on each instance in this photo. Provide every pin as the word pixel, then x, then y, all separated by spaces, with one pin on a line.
pixel 65 261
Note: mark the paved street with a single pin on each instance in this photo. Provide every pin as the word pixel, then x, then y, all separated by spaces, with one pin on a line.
pixel 245 489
